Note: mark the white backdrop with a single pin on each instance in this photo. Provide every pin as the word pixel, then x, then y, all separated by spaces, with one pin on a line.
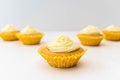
pixel 59 14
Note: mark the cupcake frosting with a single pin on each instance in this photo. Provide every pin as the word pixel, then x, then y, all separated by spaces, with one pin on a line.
pixel 62 44
pixel 9 28
pixel 113 28
pixel 90 30
pixel 29 30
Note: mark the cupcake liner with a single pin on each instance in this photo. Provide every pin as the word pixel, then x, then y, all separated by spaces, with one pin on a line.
pixel 90 40
pixel 113 36
pixel 65 61
pixel 9 36
pixel 31 39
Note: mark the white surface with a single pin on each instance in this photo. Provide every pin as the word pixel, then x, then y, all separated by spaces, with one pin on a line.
pixel 21 62
pixel 59 14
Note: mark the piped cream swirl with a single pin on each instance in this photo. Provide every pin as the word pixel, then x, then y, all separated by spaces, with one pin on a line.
pixel 90 30
pixel 29 30
pixel 62 44
pixel 9 28
pixel 113 28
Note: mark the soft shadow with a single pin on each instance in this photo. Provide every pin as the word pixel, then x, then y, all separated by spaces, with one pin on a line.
pixel 8 40
pixel 81 65
pixel 103 44
pixel 20 44
pixel 42 42
pixel 78 67
pixel 109 43
pixel 112 40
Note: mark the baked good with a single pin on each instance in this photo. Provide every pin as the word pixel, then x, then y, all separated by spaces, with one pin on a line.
pixel 30 36
pixel 112 33
pixel 9 33
pixel 62 52
pixel 90 36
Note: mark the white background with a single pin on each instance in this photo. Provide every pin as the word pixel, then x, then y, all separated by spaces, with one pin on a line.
pixel 22 62
pixel 59 14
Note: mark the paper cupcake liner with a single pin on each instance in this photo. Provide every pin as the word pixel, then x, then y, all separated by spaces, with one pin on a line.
pixel 30 39
pixel 65 61
pixel 90 40
pixel 113 36
pixel 9 36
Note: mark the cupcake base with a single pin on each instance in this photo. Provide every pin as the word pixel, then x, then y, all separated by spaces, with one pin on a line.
pixel 90 40
pixel 30 39
pixel 113 36
pixel 61 60
pixel 9 36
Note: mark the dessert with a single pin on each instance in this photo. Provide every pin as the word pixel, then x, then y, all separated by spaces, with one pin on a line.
pixel 112 33
pixel 30 36
pixel 62 52
pixel 90 36
pixel 9 33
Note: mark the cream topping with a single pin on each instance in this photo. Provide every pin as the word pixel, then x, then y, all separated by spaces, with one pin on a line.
pixel 62 44
pixel 29 30
pixel 9 28
pixel 113 28
pixel 90 29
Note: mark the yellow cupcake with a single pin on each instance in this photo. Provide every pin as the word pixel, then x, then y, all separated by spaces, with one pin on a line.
pixel 90 36
pixel 62 53
pixel 112 33
pixel 9 33
pixel 30 36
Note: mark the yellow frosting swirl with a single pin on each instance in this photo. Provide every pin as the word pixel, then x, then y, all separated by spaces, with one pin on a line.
pixel 62 44
pixel 113 28
pixel 29 30
pixel 9 28
pixel 90 30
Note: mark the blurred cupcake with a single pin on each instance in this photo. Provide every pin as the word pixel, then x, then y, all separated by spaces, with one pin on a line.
pixel 90 36
pixel 30 36
pixel 9 33
pixel 62 52
pixel 112 33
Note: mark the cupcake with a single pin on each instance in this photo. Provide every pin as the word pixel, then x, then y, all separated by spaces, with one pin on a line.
pixel 112 33
pixel 90 36
pixel 30 36
pixel 62 52
pixel 9 33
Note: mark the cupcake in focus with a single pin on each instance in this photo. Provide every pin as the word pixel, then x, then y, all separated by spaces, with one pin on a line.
pixel 90 36
pixel 112 33
pixel 30 36
pixel 62 52
pixel 9 33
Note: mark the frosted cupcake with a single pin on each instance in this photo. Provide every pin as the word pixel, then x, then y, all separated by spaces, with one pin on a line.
pixel 112 33
pixel 62 52
pixel 30 36
pixel 90 36
pixel 9 33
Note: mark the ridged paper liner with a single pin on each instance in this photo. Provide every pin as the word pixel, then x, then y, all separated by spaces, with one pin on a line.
pixel 113 36
pixel 9 36
pixel 90 40
pixel 65 61
pixel 31 39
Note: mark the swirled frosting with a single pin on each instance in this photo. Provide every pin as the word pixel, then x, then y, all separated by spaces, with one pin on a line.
pixel 9 28
pixel 29 30
pixel 113 28
pixel 62 44
pixel 90 30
